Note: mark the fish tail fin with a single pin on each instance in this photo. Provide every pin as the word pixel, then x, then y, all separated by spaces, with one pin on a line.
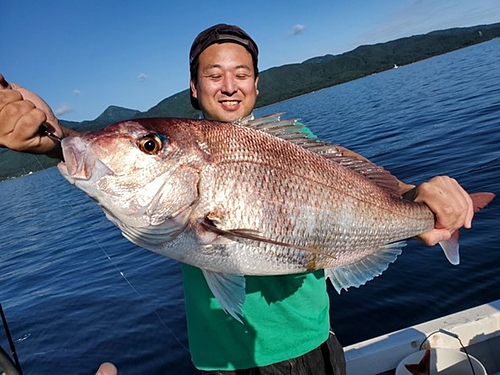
pixel 481 200
pixel 451 247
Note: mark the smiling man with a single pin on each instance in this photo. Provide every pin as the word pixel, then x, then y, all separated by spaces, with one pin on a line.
pixel 229 86
pixel 224 74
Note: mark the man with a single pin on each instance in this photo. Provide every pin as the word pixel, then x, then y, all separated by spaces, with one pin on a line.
pixel 286 318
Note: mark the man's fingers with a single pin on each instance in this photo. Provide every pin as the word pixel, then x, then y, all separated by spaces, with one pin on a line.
pixel 435 236
pixel 9 96
pixel 25 128
pixel 451 204
pixel 107 368
pixel 3 82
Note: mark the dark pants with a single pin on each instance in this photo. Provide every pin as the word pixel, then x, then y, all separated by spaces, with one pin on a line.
pixel 327 359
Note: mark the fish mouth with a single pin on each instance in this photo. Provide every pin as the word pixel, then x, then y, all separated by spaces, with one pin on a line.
pixel 80 164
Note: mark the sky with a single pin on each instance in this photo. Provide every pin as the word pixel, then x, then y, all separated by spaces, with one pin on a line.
pixel 82 56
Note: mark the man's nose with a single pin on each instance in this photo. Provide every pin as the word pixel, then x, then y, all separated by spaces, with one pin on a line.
pixel 229 85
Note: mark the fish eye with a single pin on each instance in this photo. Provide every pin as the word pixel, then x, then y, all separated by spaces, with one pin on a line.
pixel 150 144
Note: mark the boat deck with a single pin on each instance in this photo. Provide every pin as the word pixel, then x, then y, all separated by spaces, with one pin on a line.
pixel 478 329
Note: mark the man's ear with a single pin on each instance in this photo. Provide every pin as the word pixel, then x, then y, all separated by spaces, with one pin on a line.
pixel 256 83
pixel 192 85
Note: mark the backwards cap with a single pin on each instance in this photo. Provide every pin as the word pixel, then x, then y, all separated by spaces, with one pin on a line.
pixel 220 33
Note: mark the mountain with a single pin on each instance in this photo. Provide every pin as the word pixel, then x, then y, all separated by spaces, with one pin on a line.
pixel 285 82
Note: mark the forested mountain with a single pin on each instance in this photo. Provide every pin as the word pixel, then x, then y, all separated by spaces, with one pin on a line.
pixel 285 82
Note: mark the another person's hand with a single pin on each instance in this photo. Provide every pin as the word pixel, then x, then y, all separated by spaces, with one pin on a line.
pixel 451 204
pixel 107 368
pixel 22 112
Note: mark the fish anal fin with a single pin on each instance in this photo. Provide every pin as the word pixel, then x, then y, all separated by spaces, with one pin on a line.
pixel 364 270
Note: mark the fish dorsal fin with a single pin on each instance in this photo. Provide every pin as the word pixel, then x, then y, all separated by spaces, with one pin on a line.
pixel 292 130
pixel 379 175
pixel 357 274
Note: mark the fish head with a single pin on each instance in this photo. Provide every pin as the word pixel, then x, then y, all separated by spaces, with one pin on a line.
pixel 144 173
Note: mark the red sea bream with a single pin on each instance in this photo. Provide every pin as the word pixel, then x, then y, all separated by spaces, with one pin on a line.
pixel 260 198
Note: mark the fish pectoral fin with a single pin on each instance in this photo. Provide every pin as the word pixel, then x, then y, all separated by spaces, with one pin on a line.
pixel 229 290
pixel 253 235
pixel 357 274
pixel 211 229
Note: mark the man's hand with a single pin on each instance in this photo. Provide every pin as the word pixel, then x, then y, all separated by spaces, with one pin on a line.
pixel 451 204
pixel 22 112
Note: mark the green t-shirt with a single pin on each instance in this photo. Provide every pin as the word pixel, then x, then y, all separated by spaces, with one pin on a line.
pixel 284 317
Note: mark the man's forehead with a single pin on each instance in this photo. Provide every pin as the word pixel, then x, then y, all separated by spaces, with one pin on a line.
pixel 225 55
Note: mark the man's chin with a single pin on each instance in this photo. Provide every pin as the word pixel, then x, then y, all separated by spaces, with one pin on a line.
pixel 228 115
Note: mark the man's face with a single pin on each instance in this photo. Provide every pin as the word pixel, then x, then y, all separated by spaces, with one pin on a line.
pixel 227 88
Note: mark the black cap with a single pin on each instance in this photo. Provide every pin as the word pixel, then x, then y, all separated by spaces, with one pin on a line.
pixel 220 33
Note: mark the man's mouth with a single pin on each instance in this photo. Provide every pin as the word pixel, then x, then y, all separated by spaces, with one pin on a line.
pixel 229 103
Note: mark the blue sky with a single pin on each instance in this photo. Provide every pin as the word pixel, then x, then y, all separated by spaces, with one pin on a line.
pixel 82 56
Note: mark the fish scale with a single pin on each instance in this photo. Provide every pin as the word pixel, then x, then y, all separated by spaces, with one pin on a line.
pixel 320 189
pixel 260 198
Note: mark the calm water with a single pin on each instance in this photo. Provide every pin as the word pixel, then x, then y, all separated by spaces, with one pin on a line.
pixel 76 293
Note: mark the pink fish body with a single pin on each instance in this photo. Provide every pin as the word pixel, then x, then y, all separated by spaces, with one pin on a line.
pixel 255 199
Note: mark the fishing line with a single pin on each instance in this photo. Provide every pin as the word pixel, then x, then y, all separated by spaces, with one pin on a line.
pixel 136 291
pixel 118 268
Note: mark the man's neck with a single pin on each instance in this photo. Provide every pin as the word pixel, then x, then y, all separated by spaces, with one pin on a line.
pixel 240 121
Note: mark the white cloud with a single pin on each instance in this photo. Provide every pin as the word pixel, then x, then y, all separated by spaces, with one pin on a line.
pixel 63 109
pixel 298 29
pixel 142 77
pixel 77 92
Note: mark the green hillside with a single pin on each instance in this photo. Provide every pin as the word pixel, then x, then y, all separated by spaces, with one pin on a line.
pixel 285 82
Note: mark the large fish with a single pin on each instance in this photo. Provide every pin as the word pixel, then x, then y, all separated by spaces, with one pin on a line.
pixel 261 198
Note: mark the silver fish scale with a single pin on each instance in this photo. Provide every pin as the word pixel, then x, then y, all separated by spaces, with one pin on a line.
pixel 329 215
